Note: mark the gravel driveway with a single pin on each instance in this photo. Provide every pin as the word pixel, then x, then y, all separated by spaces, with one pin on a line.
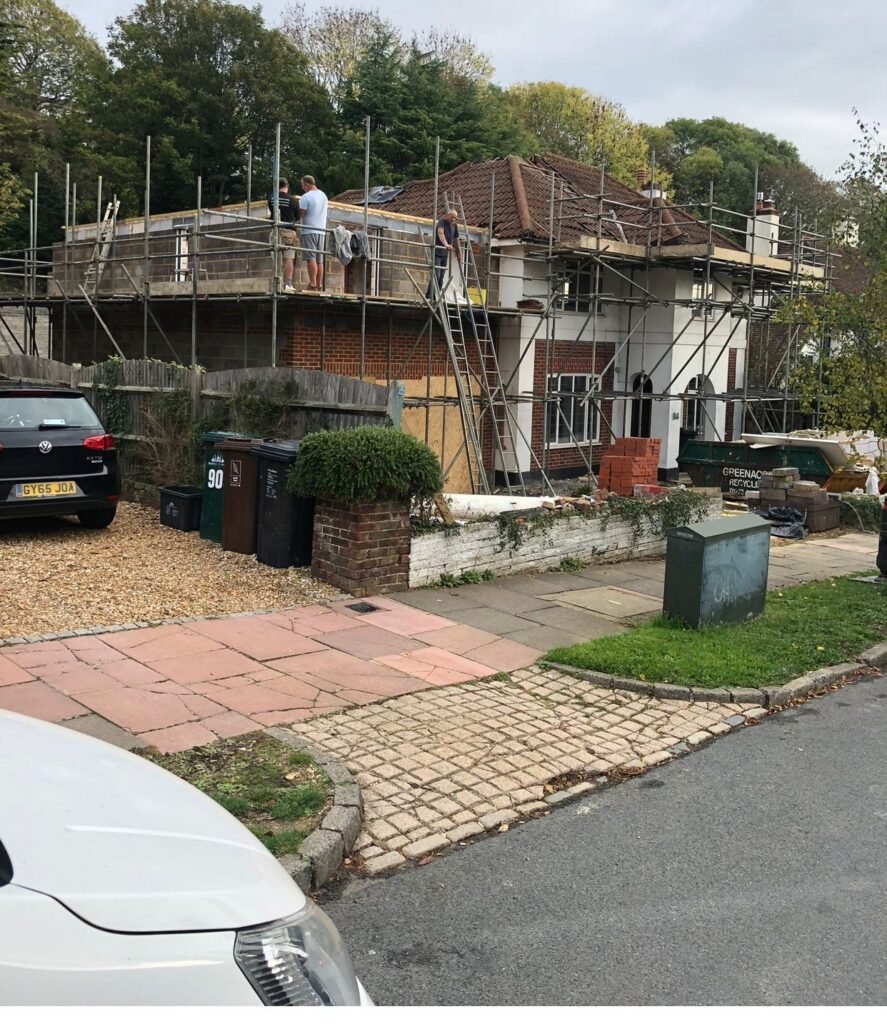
pixel 54 576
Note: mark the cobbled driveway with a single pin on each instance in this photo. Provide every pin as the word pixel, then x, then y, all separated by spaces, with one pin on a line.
pixel 441 766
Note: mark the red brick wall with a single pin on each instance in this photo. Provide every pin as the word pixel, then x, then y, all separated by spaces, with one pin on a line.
pixel 362 549
pixel 572 357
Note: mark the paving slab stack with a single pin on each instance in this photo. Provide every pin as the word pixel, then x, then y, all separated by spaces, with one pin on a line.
pixel 784 487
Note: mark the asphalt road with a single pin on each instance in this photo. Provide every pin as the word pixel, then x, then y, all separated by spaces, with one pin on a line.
pixel 751 872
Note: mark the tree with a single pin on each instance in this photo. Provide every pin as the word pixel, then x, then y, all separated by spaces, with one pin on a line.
pixel 47 65
pixel 844 373
pixel 205 79
pixel 412 98
pixel 333 40
pixel 572 122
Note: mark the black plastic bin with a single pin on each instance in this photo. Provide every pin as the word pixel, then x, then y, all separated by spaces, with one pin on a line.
pixel 285 521
pixel 180 507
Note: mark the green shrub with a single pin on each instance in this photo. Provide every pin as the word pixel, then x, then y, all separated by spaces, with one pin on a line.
pixel 365 464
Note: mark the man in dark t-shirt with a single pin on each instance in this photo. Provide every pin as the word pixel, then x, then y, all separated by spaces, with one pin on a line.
pixel 446 240
pixel 289 214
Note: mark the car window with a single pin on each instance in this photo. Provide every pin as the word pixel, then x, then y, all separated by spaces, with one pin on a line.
pixel 30 412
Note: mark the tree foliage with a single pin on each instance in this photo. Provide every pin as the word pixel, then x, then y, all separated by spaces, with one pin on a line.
pixel 726 154
pixel 572 122
pixel 413 97
pixel 844 371
pixel 205 79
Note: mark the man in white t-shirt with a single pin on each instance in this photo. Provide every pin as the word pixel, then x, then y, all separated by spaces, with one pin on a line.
pixel 312 215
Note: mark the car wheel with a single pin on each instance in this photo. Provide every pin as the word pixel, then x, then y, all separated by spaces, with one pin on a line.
pixel 97 519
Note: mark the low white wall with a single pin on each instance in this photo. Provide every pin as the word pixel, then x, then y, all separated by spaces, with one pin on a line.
pixel 482 546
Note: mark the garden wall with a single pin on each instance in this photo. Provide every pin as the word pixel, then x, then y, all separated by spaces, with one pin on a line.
pixel 543 543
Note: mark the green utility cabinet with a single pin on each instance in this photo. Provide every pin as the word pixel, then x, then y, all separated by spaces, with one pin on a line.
pixel 716 572
pixel 213 482
pixel 737 467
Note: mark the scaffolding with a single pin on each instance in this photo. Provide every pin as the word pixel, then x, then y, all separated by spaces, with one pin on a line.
pixel 600 237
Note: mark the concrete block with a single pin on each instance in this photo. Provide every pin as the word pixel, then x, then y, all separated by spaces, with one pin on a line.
pixel 734 721
pixel 346 821
pixel 299 870
pixel 385 862
pixel 326 851
pixel 495 818
pixel 876 655
pixel 666 691
pixel 349 796
pixel 746 695
pixel 466 831
pixel 424 847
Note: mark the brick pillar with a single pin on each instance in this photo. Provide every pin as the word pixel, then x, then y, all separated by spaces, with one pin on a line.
pixel 362 549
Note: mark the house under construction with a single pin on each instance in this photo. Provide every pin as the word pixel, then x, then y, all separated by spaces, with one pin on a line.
pixel 583 311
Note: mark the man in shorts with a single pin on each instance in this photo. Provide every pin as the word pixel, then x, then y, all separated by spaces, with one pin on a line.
pixel 312 213
pixel 288 215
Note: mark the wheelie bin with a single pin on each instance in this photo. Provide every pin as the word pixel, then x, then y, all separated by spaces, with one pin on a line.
pixel 213 480
pixel 285 520
pixel 239 493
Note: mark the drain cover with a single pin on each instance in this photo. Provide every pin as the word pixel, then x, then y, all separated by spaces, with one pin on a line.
pixel 362 607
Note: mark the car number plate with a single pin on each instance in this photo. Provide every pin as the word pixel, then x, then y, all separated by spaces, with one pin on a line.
pixel 50 489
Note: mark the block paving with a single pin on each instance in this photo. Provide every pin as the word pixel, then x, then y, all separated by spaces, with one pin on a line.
pixel 182 685
pixel 441 766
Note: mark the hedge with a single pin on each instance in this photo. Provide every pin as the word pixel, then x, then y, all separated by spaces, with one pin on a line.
pixel 365 464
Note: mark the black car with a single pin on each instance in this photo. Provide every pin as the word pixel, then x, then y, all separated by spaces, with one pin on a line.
pixel 55 457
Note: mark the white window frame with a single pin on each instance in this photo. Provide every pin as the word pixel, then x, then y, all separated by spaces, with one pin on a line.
pixel 559 436
pixel 581 301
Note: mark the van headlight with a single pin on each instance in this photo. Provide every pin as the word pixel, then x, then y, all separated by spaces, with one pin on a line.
pixel 299 961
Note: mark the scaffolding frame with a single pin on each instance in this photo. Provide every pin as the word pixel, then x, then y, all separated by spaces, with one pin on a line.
pixel 806 266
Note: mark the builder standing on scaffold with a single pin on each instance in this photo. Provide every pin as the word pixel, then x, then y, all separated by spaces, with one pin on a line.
pixel 287 212
pixel 446 240
pixel 312 213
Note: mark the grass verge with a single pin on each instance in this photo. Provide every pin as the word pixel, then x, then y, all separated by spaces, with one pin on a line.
pixel 278 793
pixel 803 628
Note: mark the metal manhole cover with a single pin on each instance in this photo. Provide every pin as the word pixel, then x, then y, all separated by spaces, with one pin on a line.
pixel 362 607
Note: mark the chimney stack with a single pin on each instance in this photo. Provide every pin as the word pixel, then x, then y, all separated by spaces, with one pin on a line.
pixel 762 230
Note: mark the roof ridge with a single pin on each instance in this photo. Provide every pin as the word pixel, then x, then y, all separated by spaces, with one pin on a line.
pixel 520 194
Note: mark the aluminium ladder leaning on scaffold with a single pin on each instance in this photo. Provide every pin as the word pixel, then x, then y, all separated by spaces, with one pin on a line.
pixel 102 247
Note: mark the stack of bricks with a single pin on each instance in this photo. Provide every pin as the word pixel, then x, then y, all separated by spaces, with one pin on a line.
pixel 362 549
pixel 630 461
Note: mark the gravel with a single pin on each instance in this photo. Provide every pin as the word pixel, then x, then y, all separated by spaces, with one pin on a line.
pixel 55 576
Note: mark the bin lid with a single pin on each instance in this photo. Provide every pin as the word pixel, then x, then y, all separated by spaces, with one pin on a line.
pixel 279 451
pixel 239 444
pixel 211 436
pixel 720 529
pixel 181 490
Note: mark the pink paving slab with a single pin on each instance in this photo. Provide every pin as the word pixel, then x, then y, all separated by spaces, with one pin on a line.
pixel 39 701
pixel 256 638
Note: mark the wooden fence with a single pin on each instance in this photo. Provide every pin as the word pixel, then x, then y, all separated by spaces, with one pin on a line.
pixel 124 392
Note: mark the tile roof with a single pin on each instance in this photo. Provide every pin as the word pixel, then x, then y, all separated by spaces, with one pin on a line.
pixel 522 203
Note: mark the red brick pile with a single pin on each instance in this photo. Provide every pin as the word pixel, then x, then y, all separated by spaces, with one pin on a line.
pixel 630 461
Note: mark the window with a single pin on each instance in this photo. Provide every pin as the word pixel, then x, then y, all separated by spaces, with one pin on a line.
pixel 578 289
pixel 694 416
pixel 699 289
pixel 570 420
pixel 182 268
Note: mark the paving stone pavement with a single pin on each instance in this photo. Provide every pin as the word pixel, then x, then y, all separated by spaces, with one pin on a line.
pixel 185 684
pixel 440 766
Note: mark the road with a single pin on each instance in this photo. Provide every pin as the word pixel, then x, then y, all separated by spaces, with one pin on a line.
pixel 751 872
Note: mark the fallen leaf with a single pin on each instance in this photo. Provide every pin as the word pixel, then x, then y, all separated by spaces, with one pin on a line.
pixel 290 776
pixel 503 828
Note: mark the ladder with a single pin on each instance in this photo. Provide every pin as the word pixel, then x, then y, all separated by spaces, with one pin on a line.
pixel 102 247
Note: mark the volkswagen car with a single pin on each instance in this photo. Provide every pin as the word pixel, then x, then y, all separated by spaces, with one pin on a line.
pixel 122 885
pixel 56 458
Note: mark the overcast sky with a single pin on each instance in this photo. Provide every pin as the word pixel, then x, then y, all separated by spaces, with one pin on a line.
pixel 791 67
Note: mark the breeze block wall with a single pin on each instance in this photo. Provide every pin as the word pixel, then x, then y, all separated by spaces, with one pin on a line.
pixel 544 544
pixel 362 549
pixel 630 461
